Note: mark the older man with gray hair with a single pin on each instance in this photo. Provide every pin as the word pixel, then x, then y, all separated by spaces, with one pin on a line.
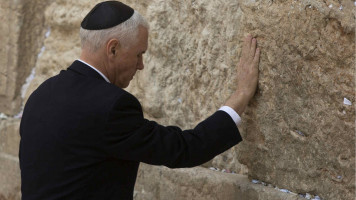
pixel 83 136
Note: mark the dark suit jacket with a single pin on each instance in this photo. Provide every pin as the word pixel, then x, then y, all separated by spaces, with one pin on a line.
pixel 83 138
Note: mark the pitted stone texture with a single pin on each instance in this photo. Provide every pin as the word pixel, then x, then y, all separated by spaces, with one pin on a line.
pixel 297 132
pixel 21 36
pixel 62 46
pixel 192 54
pixel 10 15
pixel 161 183
pixel 9 137
pixel 10 187
pixel 178 103
pixel 10 181
pixel 22 28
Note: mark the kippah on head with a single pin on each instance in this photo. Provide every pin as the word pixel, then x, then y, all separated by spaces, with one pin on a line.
pixel 107 15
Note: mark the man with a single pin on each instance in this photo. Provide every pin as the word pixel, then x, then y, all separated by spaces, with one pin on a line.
pixel 83 136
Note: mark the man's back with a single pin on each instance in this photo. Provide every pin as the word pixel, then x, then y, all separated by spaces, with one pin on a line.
pixel 83 138
pixel 61 150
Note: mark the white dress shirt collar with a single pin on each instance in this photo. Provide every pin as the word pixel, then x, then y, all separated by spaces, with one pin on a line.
pixel 101 74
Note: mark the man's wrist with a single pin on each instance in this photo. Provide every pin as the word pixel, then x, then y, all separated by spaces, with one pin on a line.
pixel 238 101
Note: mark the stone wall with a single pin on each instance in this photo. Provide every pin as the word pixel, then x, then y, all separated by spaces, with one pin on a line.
pixel 21 28
pixel 298 131
pixel 11 17
pixel 22 34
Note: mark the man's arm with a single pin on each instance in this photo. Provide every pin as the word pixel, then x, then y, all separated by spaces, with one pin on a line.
pixel 247 76
pixel 131 137
pixel 128 136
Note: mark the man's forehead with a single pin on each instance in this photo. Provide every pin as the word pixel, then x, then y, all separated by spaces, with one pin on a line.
pixel 143 36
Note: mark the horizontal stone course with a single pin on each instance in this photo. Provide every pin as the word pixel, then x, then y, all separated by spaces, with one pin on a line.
pixel 160 183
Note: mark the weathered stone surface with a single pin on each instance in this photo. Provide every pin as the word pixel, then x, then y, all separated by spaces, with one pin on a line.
pixel 9 137
pixel 10 186
pixel 297 132
pixel 22 28
pixel 21 36
pixel 10 31
pixel 160 183
pixel 10 182
pixel 62 44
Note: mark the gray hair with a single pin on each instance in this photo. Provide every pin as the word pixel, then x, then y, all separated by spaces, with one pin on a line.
pixel 125 32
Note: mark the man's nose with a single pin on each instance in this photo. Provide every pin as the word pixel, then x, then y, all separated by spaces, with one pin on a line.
pixel 140 64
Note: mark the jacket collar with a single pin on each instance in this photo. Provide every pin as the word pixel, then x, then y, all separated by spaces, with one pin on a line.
pixel 85 70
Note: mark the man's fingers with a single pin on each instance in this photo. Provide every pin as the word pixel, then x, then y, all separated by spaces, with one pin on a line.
pixel 246 47
pixel 248 39
pixel 256 59
pixel 253 48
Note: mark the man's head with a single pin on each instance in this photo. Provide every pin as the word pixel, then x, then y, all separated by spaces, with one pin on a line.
pixel 113 38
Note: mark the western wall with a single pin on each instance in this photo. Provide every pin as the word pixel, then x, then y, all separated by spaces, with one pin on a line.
pixel 298 131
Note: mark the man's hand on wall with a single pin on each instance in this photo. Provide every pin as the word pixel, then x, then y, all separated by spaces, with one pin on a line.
pixel 247 76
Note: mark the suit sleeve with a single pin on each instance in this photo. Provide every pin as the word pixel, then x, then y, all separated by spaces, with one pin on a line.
pixel 129 136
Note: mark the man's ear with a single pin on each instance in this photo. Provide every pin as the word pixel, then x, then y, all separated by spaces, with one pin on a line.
pixel 112 48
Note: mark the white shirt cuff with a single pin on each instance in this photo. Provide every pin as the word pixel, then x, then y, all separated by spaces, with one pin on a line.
pixel 233 114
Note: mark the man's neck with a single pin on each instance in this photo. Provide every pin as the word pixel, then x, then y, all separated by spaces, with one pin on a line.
pixel 93 61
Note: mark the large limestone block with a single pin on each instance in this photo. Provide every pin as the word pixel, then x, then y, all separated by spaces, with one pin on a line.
pixel 10 180
pixel 161 183
pixel 192 55
pixel 21 36
pixel 190 65
pixel 9 52
pixel 9 137
pixel 298 132
pixel 62 46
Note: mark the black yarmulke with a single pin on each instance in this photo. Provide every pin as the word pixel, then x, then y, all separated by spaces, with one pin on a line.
pixel 106 15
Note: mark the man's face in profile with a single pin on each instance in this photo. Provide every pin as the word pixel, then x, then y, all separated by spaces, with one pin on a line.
pixel 129 60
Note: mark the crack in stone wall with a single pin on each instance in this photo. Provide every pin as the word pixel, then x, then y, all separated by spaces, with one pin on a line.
pixel 23 27
pixel 22 31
